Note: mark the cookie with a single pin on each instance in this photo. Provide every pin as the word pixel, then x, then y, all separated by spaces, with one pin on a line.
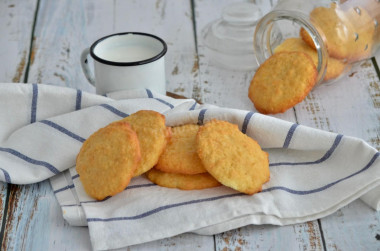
pixel 282 81
pixel 180 154
pixel 334 66
pixel 108 159
pixel 152 135
pixel 231 157
pixel 182 181
pixel 344 38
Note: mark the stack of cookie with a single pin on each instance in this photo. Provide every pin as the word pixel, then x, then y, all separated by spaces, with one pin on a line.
pixel 186 157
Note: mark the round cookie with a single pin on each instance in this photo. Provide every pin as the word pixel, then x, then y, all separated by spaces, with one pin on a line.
pixel 345 39
pixel 334 66
pixel 182 181
pixel 152 134
pixel 231 157
pixel 282 81
pixel 180 154
pixel 108 159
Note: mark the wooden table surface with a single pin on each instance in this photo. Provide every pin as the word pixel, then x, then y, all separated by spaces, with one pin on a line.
pixel 41 41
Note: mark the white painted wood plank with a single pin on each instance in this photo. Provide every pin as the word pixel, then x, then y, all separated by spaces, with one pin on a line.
pixel 181 242
pixel 16 22
pixel 350 106
pixel 60 35
pixel 35 222
pixel 3 198
pixel 268 237
pixel 354 227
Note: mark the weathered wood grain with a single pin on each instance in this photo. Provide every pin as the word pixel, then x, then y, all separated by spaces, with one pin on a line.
pixel 351 107
pixel 59 37
pixel 3 204
pixel 16 23
pixel 180 242
pixel 346 105
pixel 35 222
pixel 354 227
pixel 267 237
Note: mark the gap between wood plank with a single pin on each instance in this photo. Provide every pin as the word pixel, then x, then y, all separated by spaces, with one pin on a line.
pixel 192 4
pixel 322 236
pixel 376 66
pixel 196 87
pixel 3 224
pixel 31 43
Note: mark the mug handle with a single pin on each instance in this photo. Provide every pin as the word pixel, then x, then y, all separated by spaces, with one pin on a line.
pixel 86 70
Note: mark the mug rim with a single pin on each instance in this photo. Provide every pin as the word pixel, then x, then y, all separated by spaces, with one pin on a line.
pixel 141 62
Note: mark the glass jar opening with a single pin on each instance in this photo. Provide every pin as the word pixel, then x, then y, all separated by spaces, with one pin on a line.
pixel 279 25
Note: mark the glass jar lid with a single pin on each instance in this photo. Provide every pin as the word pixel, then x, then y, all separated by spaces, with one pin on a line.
pixel 229 40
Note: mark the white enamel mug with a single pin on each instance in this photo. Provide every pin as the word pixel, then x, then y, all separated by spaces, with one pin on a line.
pixel 125 61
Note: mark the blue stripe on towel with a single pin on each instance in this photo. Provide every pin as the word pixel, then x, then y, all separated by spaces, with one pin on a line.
pixel 162 208
pixel 325 186
pixel 75 176
pixel 158 209
pixel 150 94
pixel 114 110
pixel 165 103
pixel 33 115
pixel 201 116
pixel 6 175
pixel 289 136
pixel 325 157
pixel 78 101
pixel 30 160
pixel 64 188
pixel 246 122
pixel 193 106
pixel 63 130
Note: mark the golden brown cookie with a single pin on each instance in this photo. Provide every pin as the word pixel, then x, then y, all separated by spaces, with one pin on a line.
pixel 282 81
pixel 108 159
pixel 231 157
pixel 348 34
pixel 152 134
pixel 180 154
pixel 182 181
pixel 334 66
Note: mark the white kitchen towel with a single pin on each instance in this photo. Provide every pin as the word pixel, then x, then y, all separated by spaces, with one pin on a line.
pixel 313 172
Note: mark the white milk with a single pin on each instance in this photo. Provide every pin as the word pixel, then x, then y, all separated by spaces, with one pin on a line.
pixel 129 53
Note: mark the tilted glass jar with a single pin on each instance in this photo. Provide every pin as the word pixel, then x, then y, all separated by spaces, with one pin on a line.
pixel 336 33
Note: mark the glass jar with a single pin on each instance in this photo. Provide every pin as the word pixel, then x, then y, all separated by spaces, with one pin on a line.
pixel 335 34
